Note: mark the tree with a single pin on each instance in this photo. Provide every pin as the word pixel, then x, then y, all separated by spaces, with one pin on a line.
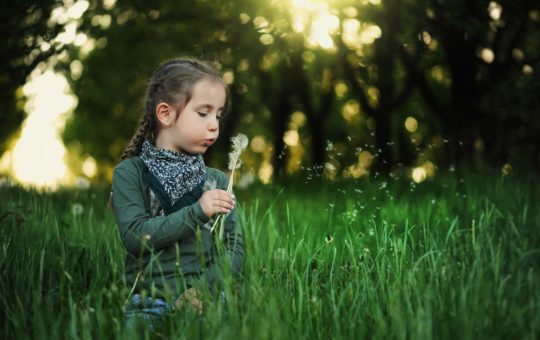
pixel 425 63
pixel 485 46
pixel 29 40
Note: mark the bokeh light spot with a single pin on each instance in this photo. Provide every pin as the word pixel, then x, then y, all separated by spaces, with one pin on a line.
pixel 258 144
pixel 266 39
pixel 89 167
pixel 494 10
pixel 265 172
pixel 411 124
pixel 228 77
pixel 291 138
pixel 487 55
pixel 298 118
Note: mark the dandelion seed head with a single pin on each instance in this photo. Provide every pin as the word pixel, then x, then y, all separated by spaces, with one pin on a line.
pixel 77 209
pixel 280 254
pixel 239 144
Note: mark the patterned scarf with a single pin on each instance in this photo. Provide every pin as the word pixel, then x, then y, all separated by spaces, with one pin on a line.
pixel 178 173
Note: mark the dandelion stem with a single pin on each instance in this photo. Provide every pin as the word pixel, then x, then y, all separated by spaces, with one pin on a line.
pixel 229 190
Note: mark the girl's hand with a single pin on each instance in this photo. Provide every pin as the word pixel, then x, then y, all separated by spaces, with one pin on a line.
pixel 216 201
pixel 192 296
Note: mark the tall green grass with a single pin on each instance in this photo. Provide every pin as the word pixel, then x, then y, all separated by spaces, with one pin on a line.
pixel 446 258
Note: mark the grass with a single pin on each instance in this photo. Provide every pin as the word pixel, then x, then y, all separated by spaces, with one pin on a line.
pixel 454 257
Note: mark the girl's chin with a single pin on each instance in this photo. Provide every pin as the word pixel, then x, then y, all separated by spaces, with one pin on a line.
pixel 196 150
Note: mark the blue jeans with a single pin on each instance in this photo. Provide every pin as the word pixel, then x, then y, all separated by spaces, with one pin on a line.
pixel 151 312
pixel 148 313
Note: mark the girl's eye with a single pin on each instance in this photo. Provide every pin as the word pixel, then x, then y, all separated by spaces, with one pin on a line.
pixel 218 117
pixel 202 114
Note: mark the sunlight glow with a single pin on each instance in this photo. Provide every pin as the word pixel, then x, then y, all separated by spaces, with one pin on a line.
pixel 361 168
pixel 37 157
pixel 419 174
pixel 422 172
pixel 315 16
pixel 321 29
pixel 356 34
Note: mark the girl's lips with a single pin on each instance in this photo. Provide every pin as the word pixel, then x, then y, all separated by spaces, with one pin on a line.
pixel 210 141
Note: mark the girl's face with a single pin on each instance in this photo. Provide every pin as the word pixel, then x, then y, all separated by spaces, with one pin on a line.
pixel 197 126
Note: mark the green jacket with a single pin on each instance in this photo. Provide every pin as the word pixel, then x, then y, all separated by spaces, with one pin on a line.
pixel 167 254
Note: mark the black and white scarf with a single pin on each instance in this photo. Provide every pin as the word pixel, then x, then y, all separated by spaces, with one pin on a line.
pixel 178 173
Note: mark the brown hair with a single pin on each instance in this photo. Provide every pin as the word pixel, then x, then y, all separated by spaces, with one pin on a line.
pixel 172 83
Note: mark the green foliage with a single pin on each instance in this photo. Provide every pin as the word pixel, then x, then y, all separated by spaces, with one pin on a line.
pixel 450 65
pixel 455 257
pixel 25 28
pixel 427 63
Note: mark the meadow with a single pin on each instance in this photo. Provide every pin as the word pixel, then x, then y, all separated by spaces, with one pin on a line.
pixel 451 257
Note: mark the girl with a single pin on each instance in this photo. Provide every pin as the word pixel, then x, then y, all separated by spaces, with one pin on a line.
pixel 164 197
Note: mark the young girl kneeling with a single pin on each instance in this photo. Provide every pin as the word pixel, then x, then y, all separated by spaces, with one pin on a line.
pixel 165 198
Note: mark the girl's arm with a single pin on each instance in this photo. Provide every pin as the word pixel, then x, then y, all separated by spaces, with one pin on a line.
pixel 136 225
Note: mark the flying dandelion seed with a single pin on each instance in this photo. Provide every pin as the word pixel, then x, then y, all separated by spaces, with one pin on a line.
pixel 329 146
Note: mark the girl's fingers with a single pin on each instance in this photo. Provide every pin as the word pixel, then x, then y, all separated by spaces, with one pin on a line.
pixel 222 194
pixel 218 208
pixel 219 201
pixel 225 203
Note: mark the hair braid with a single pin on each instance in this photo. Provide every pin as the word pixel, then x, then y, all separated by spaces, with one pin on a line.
pixel 143 132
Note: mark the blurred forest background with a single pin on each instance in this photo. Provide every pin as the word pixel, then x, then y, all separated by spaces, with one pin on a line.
pixel 344 88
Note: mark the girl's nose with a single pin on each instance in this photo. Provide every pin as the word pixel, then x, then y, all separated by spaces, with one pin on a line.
pixel 213 125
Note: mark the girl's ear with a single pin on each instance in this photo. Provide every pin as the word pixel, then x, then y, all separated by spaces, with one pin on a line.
pixel 165 113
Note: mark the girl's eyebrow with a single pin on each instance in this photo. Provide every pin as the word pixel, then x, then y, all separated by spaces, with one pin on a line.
pixel 208 106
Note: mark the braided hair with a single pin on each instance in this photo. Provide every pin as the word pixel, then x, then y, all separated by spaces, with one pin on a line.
pixel 172 83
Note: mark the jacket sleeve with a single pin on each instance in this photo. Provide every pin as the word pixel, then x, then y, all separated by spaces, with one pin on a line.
pixel 135 223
